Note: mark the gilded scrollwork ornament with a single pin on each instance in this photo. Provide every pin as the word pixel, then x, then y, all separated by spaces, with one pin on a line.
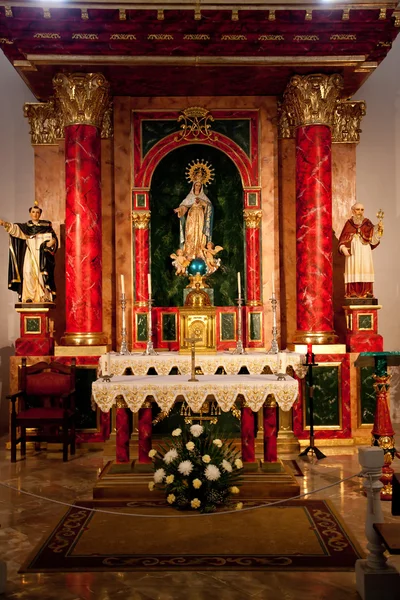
pixel 82 97
pixel 252 218
pixel 44 122
pixel 196 124
pixel 312 99
pixel 346 128
pixel 141 219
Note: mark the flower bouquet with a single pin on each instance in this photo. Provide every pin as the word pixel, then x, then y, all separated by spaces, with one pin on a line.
pixel 197 470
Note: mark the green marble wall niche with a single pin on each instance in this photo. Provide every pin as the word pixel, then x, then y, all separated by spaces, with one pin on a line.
pixel 327 397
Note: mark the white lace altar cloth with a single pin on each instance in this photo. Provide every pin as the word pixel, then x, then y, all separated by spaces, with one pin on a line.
pixel 164 362
pixel 166 389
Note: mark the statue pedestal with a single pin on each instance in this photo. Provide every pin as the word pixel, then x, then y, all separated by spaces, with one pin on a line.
pixel 362 327
pixel 36 338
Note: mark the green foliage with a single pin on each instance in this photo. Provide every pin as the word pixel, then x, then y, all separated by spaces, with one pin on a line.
pixel 168 188
pixel 197 470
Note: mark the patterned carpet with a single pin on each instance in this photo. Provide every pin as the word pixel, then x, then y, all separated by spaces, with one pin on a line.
pixel 99 536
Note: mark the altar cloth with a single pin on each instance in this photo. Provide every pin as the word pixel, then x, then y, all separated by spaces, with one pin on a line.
pixel 164 362
pixel 166 389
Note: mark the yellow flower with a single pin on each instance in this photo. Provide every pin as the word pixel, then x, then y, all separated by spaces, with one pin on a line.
pixel 170 498
pixel 195 503
pixel 190 446
pixel 170 478
pixel 151 485
pixel 239 506
pixel 238 463
pixel 152 453
pixel 196 483
pixel 206 458
pixel 217 443
pixel 233 489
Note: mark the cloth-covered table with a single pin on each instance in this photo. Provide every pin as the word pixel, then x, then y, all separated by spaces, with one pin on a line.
pixel 136 394
pixel 164 362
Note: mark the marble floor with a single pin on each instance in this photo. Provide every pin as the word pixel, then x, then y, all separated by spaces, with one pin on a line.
pixel 26 518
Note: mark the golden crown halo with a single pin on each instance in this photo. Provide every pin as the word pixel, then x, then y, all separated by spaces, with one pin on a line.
pixel 200 170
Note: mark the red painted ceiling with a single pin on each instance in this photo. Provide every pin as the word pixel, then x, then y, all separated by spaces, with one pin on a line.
pixel 221 53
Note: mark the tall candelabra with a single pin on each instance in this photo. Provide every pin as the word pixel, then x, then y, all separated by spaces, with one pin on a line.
pixel 239 344
pixel 274 344
pixel 149 346
pixel 124 347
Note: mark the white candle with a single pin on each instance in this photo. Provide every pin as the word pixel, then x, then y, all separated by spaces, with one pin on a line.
pixel 239 287
pixel 149 284
pixel 273 284
pixel 122 284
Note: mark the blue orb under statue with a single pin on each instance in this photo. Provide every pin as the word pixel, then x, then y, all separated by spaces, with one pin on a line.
pixel 197 265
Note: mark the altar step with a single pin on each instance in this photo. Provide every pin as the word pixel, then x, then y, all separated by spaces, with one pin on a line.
pixel 263 482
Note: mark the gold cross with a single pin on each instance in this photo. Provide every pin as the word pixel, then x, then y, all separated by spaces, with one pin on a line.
pixel 193 340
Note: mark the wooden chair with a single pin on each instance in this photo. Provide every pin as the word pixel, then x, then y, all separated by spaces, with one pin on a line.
pixel 46 403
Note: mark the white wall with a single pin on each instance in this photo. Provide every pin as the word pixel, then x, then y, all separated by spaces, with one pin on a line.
pixel 16 196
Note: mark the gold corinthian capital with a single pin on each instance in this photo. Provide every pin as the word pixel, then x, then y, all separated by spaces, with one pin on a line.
pixel 141 219
pixel 346 128
pixel 252 218
pixel 312 99
pixel 82 97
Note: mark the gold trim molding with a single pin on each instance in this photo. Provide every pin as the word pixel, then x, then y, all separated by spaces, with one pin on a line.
pixel 83 97
pixel 252 218
pixel 84 339
pixel 315 337
pixel 311 99
pixel 346 128
pixel 141 219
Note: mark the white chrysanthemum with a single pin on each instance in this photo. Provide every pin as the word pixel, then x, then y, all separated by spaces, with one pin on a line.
pixel 190 446
pixel 171 498
pixel 212 473
pixel 238 463
pixel 234 489
pixel 159 475
pixel 226 465
pixel 170 456
pixel 206 458
pixel 195 503
pixel 151 485
pixel 197 483
pixel 196 430
pixel 239 506
pixel 152 453
pixel 177 432
pixel 217 443
pixel 185 467
pixel 169 478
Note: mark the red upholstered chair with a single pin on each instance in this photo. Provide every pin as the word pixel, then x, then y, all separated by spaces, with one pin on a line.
pixel 46 403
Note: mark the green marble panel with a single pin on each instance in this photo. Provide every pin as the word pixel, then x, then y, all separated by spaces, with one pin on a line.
pixel 140 200
pixel 154 131
pixel 252 199
pixel 228 332
pixel 168 325
pixel 326 397
pixel 367 395
pixel 237 130
pixel 364 321
pixel 86 418
pixel 168 188
pixel 141 327
pixel 255 327
pixel 32 324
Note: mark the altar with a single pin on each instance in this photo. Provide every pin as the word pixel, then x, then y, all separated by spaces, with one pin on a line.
pixel 136 394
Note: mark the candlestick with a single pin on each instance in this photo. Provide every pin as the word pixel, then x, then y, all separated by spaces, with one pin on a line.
pixel 274 344
pixel 124 347
pixel 149 284
pixel 149 346
pixel 239 344
pixel 239 286
pixel 122 284
pixel 273 284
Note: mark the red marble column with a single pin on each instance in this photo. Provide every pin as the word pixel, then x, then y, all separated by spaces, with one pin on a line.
pixel 314 231
pixel 83 99
pixel 145 427
pixel 247 435
pixel 122 434
pixel 141 221
pixel 270 439
pixel 253 261
pixel 83 240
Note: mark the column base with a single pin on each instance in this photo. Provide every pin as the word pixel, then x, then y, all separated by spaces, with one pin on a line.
pixel 84 339
pixel 373 585
pixel 315 337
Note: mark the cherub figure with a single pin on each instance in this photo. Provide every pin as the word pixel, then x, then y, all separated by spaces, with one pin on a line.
pixel 209 256
pixel 180 262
